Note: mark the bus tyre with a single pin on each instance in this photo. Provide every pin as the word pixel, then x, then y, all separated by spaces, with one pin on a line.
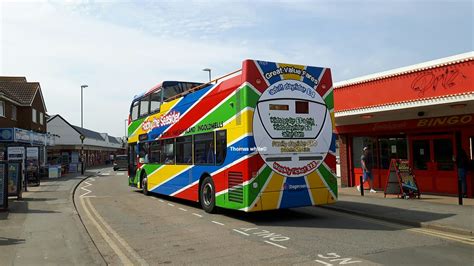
pixel 145 186
pixel 208 195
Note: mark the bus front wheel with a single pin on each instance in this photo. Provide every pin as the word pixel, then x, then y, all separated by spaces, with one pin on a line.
pixel 208 195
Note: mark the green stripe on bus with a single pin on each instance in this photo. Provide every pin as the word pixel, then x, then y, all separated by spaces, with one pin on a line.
pixel 330 100
pixel 134 125
pixel 329 178
pixel 248 98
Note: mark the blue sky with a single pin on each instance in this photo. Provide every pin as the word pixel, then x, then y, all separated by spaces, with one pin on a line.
pixel 122 48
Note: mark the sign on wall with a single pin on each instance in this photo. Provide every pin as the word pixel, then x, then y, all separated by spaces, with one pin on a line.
pixel 16 153
pixel 3 186
pixel 14 179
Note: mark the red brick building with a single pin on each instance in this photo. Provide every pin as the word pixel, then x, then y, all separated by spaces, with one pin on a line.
pixel 423 113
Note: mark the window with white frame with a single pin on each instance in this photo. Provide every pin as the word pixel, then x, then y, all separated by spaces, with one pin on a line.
pixel 13 112
pixel 34 115
pixel 41 118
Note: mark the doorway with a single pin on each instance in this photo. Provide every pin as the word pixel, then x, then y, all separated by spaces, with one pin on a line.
pixel 433 164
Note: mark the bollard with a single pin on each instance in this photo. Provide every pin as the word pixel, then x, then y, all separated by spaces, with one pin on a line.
pixel 460 195
pixel 361 184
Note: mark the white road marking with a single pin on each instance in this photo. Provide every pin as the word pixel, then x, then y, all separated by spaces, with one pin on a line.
pixel 324 263
pixel 85 189
pixel 184 210
pixel 198 215
pixel 172 205
pixel 240 232
pixel 161 200
pixel 217 223
pixel 276 245
pixel 120 173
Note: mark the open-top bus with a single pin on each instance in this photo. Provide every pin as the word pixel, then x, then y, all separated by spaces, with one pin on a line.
pixel 260 138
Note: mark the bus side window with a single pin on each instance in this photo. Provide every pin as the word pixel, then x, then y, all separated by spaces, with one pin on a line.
pixel 204 149
pixel 221 147
pixel 134 111
pixel 184 151
pixel 144 106
pixel 155 102
pixel 155 152
pixel 168 151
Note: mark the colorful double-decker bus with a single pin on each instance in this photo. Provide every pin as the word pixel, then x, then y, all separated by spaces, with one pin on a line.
pixel 260 138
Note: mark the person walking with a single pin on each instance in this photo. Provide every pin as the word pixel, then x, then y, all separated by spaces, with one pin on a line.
pixel 462 162
pixel 366 163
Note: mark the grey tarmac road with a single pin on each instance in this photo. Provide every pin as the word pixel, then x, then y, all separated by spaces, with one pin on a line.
pixel 130 228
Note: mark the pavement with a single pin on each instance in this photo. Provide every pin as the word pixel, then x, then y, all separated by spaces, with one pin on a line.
pixel 440 213
pixel 43 227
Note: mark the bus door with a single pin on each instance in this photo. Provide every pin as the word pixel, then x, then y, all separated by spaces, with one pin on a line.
pixel 132 160
pixel 432 162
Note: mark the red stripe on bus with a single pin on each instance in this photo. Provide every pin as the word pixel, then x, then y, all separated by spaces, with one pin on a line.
pixel 325 83
pixel 206 103
pixel 330 161
pixel 252 74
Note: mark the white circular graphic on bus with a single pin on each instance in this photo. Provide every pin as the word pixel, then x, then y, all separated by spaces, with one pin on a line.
pixel 292 128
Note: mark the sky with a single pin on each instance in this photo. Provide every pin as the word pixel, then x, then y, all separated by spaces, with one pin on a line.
pixel 123 48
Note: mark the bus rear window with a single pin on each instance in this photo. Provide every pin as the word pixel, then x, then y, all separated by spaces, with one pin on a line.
pixel 302 107
pixel 280 107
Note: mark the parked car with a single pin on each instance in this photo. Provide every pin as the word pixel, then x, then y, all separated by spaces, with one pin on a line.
pixel 121 162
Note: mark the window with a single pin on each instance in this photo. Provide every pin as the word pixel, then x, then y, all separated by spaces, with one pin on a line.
pixel 392 148
pixel 168 151
pixel 144 106
pixel 281 107
pixel 302 107
pixel 41 118
pixel 184 150
pixel 144 151
pixel 135 110
pixel 358 143
pixel 204 148
pixel 34 116
pixel 155 152
pixel 155 102
pixel 13 112
pixel 2 108
pixel 221 147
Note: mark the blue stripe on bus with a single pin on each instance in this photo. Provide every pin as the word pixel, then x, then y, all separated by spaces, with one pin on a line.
pixel 184 179
pixel 268 67
pixel 315 72
pixel 333 143
pixel 181 107
pixel 295 193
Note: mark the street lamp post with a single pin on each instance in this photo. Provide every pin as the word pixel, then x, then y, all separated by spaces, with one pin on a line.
pixel 208 70
pixel 82 126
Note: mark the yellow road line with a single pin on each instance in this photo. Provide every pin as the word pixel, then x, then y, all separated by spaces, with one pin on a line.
pixel 117 236
pixel 124 259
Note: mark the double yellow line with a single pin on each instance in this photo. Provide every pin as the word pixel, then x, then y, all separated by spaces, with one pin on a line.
pixel 111 237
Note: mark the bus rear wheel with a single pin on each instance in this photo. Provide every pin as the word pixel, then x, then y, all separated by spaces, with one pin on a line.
pixel 208 195
pixel 144 185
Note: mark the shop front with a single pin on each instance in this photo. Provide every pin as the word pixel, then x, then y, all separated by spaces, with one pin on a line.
pixel 422 113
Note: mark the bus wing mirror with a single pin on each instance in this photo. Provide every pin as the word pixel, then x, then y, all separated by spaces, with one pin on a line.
pixel 141 160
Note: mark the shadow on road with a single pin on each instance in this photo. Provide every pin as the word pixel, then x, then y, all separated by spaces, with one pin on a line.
pixel 4 241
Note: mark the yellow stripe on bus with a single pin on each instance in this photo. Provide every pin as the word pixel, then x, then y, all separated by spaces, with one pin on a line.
pixel 271 195
pixel 291 76
pixel 164 173
pixel 235 131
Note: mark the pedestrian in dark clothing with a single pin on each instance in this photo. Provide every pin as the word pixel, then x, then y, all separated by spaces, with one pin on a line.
pixel 462 163
pixel 366 163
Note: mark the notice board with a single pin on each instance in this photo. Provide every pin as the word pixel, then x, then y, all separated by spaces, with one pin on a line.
pixel 401 181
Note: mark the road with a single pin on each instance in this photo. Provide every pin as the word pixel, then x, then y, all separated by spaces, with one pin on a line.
pixel 130 228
